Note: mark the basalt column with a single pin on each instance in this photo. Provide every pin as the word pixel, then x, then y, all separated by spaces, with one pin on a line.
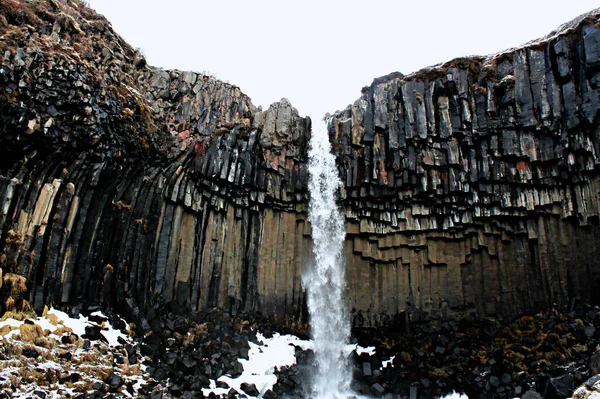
pixel 214 227
pixel 472 186
pixel 468 187
pixel 128 186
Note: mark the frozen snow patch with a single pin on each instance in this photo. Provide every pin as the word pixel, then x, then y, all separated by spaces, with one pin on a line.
pixel 78 326
pixel 369 350
pixel 389 362
pixel 264 358
pixel 455 395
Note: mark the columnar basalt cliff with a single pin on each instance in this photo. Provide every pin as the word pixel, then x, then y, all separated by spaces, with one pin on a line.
pixel 129 185
pixel 469 187
pixel 473 186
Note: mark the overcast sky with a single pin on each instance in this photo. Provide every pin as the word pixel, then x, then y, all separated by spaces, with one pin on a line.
pixel 319 53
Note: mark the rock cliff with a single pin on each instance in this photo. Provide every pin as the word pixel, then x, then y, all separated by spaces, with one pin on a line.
pixel 470 187
pixel 129 185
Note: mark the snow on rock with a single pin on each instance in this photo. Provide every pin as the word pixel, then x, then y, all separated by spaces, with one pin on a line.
pixel 78 326
pixel 47 357
pixel 455 395
pixel 264 358
pixel 369 350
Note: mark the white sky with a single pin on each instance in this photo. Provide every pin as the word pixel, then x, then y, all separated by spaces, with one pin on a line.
pixel 320 53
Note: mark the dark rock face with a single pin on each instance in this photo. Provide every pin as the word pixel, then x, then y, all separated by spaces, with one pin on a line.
pixel 472 186
pixel 559 387
pixel 165 188
pixel 469 187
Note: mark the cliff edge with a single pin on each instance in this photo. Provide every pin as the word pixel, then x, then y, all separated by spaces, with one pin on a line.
pixel 472 186
pixel 131 186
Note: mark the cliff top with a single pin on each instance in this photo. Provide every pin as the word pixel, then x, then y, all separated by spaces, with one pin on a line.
pixel 73 82
pixel 591 17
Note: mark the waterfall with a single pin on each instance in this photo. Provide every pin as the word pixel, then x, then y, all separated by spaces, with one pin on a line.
pixel 324 282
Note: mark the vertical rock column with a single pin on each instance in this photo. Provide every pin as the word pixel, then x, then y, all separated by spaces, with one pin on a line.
pixel 472 187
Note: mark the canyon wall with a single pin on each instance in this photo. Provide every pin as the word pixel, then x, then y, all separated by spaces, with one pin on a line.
pixel 473 186
pixel 147 190
pixel 470 187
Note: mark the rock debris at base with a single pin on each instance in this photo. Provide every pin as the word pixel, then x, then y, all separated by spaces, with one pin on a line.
pixel 547 356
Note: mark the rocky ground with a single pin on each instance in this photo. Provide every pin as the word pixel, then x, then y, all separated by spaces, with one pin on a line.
pixel 56 356
pixel 213 354
pixel 89 354
pixel 546 353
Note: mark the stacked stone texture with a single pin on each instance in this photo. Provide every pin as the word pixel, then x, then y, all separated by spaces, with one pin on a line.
pixel 470 187
pixel 141 188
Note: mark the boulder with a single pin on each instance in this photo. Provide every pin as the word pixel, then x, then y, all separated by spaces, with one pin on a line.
pixel 559 387
pixel 249 389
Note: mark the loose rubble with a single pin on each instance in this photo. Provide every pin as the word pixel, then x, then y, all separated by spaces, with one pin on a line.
pixel 552 355
pixel 56 356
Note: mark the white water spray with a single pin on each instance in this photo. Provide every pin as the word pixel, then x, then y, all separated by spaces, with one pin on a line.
pixel 325 281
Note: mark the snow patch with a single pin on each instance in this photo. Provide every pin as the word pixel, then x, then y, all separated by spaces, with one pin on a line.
pixel 389 362
pixel 264 358
pixel 369 350
pixel 455 395
pixel 78 326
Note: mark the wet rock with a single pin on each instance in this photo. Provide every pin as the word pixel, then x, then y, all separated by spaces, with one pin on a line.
pixel 366 367
pixel 595 363
pixel 30 353
pixel 175 389
pixel 589 331
pixel 531 395
pixel 249 389
pixel 188 361
pixel 518 390
pixel 270 395
pixel 237 370
pixel 170 358
pixel 494 381
pixel 377 389
pixel 114 381
pixel 159 374
pixel 559 387
pixel 156 395
pixel 592 381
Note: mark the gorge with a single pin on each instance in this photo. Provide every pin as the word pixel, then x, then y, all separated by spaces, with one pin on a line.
pixel 468 189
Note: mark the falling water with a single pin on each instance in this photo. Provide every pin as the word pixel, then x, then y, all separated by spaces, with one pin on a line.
pixel 325 280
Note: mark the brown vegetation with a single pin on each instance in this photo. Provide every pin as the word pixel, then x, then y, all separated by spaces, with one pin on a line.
pixel 30 332
pixel 14 284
